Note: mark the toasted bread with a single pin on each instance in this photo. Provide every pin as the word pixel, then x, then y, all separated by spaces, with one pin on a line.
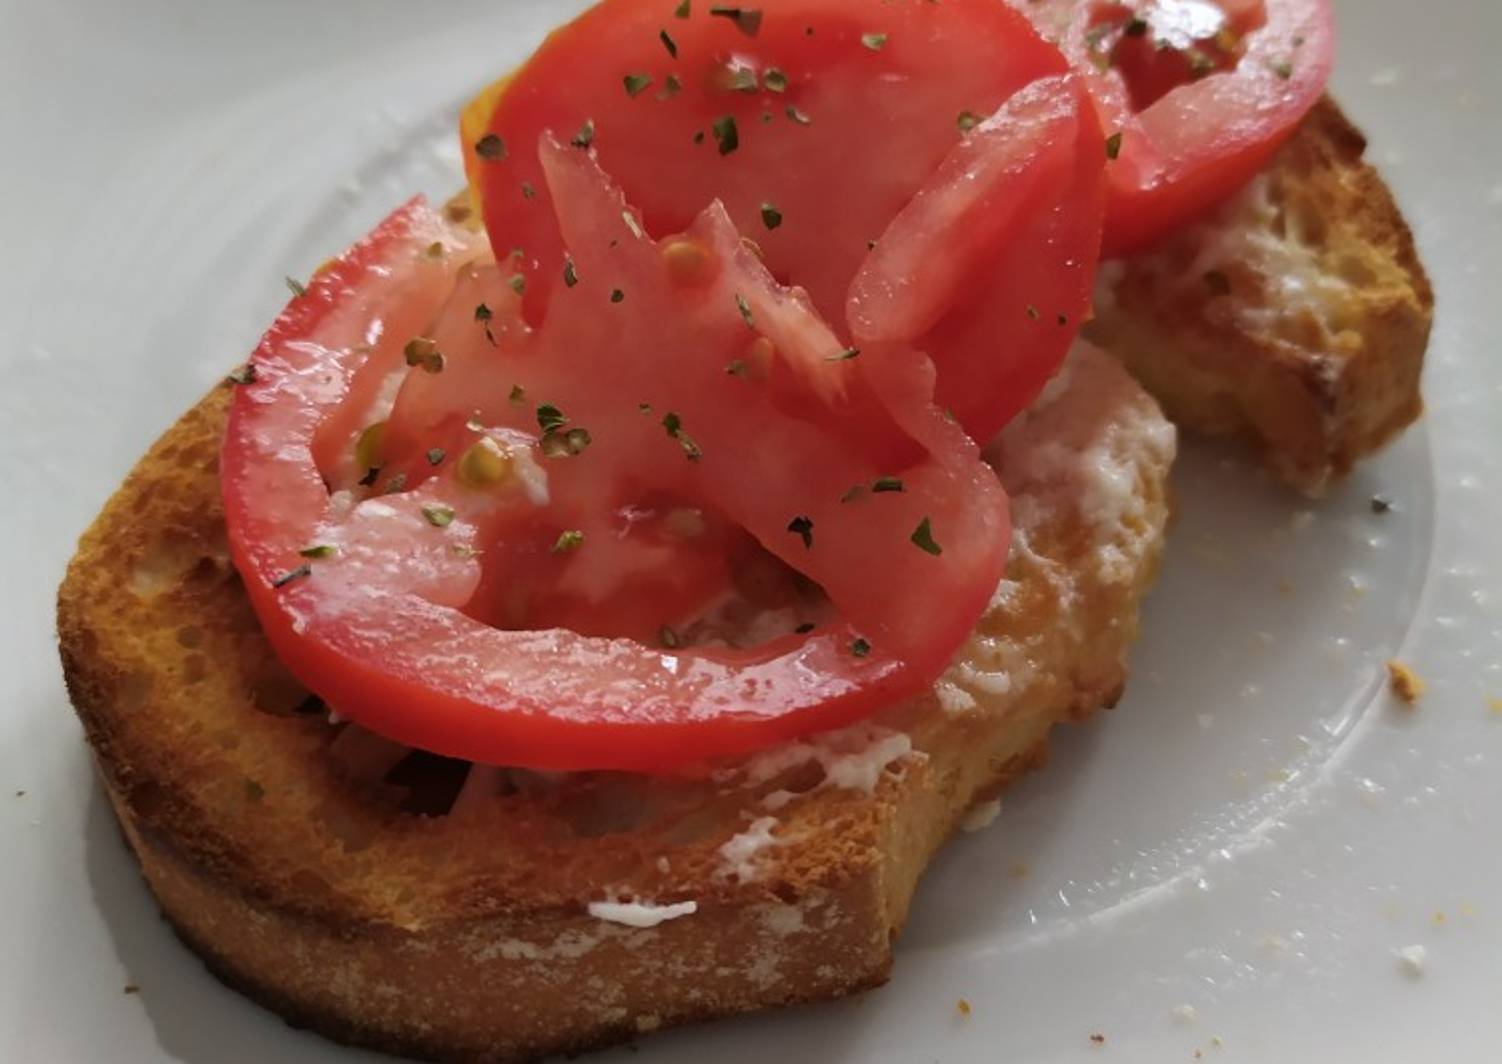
pixel 1297 315
pixel 401 901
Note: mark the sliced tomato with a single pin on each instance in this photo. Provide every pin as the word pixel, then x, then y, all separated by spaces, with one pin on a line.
pixel 677 418
pixel 815 124
pixel 1196 95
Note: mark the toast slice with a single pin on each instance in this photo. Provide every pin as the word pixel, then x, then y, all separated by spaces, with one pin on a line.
pixel 1296 316
pixel 419 905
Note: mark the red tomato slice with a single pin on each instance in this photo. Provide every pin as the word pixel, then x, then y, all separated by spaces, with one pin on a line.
pixel 1020 195
pixel 473 500
pixel 816 123
pixel 1202 93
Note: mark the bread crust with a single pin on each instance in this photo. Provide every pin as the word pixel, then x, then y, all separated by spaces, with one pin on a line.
pixel 1296 316
pixel 468 935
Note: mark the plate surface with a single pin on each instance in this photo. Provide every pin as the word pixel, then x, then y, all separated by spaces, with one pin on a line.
pixel 1227 863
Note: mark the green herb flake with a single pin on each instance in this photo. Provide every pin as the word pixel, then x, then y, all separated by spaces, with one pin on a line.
pixel 1284 69
pixel 1063 320
pixel 491 148
pixel 1136 27
pixel 518 283
pixel 923 539
pixel 528 191
pixel 668 43
pixel 671 86
pixel 860 648
pixel 395 484
pixel 726 134
pixel 1113 145
pixel 774 80
pixel 291 575
pixel 565 444
pixel 550 418
pixel 636 84
pixel 682 10
pixel 967 121
pixel 698 136
pixel 572 539
pixel 771 217
pixel 1381 504
pixel 586 135
pixel 643 408
pixel 483 315
pixel 795 115
pixel 740 79
pixel 1200 64
pixel 668 638
pixel 319 550
pixel 436 455
pixel 518 394
pixel 673 424
pixel 885 484
pixel 438 516
pixel 845 355
pixel 617 296
pixel 371 476
pixel 803 528
pixel 296 287
pixel 745 309
pixel 570 275
pixel 746 19
pixel 1032 312
pixel 435 250
pixel 245 374
pixel 736 368
pixel 857 491
pixel 874 41
pixel 423 351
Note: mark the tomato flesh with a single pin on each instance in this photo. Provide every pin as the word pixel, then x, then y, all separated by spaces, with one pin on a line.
pixel 816 131
pixel 1202 94
pixel 400 620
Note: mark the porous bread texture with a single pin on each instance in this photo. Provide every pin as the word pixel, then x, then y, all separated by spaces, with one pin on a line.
pixel 1296 316
pixel 468 934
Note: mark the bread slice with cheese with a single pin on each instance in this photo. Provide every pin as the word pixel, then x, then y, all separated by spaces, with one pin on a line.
pixel 424 906
pixel 1296 316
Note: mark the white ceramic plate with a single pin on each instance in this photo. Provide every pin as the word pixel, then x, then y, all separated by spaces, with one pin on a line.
pixel 1227 863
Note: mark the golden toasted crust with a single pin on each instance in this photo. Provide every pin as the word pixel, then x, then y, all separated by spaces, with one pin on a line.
pixel 465 932
pixel 1297 316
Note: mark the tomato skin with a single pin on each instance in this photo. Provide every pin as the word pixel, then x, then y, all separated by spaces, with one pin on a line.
pixel 958 269
pixel 394 647
pixel 1198 143
pixel 877 122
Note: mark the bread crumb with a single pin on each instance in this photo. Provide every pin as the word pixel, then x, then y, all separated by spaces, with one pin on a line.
pixel 1493 704
pixel 1216 1042
pixel 1185 1013
pixel 1412 959
pixel 1405 683
pixel 131 988
pixel 1439 919
pixel 962 1006
pixel 1098 1039
pixel 1018 870
pixel 648 1023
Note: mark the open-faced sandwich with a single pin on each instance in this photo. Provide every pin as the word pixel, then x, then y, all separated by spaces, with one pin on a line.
pixel 595 601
